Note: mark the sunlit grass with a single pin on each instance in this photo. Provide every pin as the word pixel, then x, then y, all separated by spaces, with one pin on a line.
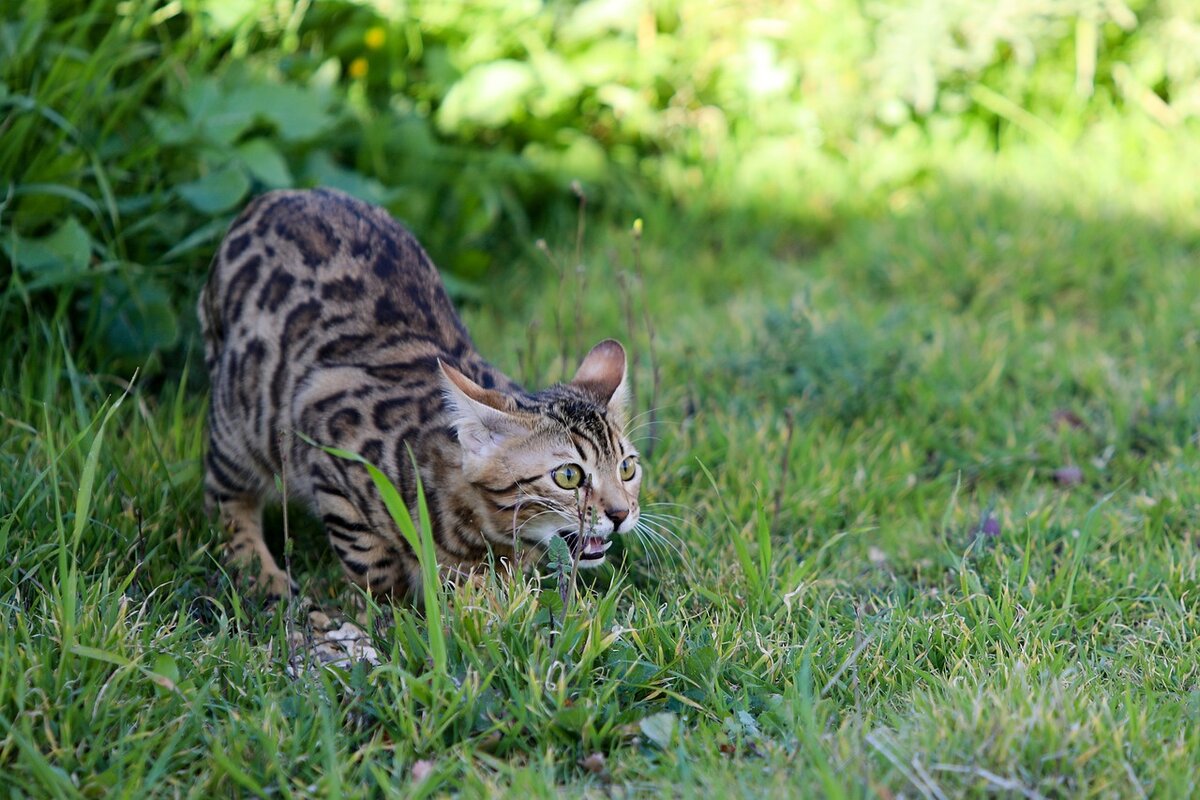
pixel 937 608
pixel 923 490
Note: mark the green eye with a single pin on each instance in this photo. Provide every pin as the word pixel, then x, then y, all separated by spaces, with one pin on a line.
pixel 628 468
pixel 568 476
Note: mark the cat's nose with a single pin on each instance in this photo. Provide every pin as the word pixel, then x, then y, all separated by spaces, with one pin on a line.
pixel 617 515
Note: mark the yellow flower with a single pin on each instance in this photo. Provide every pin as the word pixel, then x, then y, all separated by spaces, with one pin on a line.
pixel 358 68
pixel 375 37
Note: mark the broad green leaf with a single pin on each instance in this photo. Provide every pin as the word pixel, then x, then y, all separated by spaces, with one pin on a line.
pixel 217 191
pixel 200 98
pixel 137 317
pixel 558 86
pixel 558 554
pixel 659 728
pixel 212 116
pixel 748 724
pixel 169 128
pixel 297 113
pixel 64 253
pixel 573 718
pixel 594 19
pixel 263 161
pixel 583 159
pixel 489 95
pixel 210 232
pixel 96 654
pixel 165 665
pixel 165 672
pixel 321 169
pixel 226 15
pixel 606 61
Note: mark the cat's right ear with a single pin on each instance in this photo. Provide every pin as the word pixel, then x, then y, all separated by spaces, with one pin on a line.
pixel 604 374
pixel 481 417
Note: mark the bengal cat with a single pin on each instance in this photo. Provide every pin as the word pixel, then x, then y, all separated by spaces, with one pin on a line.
pixel 323 316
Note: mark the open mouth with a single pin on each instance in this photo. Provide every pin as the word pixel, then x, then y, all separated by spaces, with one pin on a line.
pixel 593 548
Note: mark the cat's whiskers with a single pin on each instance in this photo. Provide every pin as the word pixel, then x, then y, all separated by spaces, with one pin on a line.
pixel 632 432
pixel 666 524
pixel 653 410
pixel 649 508
pixel 657 549
pixel 525 498
pixel 665 521
pixel 666 535
pixel 651 531
pixel 663 546
pixel 519 528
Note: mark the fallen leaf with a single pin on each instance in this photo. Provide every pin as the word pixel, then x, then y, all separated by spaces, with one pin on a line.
pixel 593 763
pixel 1068 476
pixel 1066 418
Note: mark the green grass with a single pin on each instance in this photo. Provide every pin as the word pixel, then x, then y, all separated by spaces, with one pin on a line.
pixel 940 607
pixel 927 427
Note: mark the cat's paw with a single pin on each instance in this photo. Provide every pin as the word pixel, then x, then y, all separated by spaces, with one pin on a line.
pixel 273 586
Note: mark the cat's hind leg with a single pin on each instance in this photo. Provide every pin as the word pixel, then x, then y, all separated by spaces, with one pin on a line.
pixel 246 549
pixel 231 493
pixel 368 558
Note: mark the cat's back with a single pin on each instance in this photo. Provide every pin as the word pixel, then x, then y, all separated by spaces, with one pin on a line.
pixel 319 266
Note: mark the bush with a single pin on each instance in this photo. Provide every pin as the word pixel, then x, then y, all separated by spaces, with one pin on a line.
pixel 132 131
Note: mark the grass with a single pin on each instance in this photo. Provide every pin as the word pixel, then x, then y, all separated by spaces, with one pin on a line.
pixel 979 579
pixel 929 455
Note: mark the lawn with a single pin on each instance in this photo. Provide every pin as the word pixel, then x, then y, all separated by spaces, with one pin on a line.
pixel 927 460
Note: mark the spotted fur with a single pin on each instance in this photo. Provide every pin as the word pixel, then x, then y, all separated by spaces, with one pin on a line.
pixel 322 315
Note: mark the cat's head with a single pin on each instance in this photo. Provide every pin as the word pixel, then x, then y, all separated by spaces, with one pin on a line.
pixel 555 463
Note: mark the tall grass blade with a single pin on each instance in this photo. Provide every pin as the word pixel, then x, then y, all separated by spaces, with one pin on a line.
pixel 420 540
pixel 739 545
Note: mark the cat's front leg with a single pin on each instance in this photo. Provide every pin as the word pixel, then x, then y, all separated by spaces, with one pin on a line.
pixel 246 550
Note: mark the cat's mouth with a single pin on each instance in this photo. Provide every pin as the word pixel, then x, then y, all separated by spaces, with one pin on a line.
pixel 593 549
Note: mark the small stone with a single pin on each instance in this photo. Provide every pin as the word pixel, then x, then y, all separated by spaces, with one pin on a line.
pixel 1068 476
pixel 1144 501
pixel 594 763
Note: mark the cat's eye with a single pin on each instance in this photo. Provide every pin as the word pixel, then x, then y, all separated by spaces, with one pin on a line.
pixel 568 476
pixel 628 468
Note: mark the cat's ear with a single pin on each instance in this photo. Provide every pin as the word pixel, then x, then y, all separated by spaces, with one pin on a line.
pixel 603 373
pixel 481 417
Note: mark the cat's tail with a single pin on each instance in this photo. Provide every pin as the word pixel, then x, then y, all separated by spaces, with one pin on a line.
pixel 208 309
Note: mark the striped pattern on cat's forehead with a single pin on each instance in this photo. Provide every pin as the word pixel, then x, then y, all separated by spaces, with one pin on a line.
pixel 588 423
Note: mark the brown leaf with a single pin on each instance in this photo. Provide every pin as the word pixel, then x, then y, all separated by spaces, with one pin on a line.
pixel 594 763
pixel 1068 476
pixel 1066 418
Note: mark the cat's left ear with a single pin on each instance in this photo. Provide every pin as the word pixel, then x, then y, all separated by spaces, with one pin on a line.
pixel 603 373
pixel 482 418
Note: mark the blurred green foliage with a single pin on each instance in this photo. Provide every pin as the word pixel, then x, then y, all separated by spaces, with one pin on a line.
pixel 132 130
